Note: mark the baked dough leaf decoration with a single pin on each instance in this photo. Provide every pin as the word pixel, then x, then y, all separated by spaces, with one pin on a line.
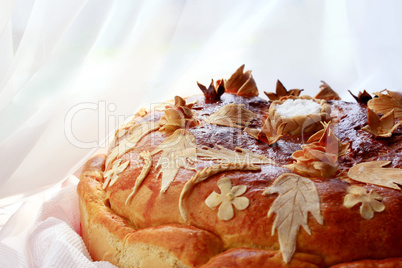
pixel 327 93
pixel 112 175
pixel 213 92
pixel 281 92
pixel 135 134
pixel 242 83
pixel 297 197
pixel 178 151
pixel 373 172
pixel 206 173
pixel 370 202
pixel 240 155
pixel 384 103
pixel 178 116
pixel 229 196
pixel 146 156
pixel 381 127
pixel 231 115
pixel 268 134
pixel 319 158
pixel 362 97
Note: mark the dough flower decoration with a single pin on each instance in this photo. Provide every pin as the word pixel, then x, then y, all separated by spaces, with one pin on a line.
pixel 319 158
pixel 214 91
pixel 381 127
pixel 229 196
pixel 370 202
pixel 178 116
pixel 281 92
pixel 362 97
pixel 307 119
pixel 327 93
pixel 112 174
pixel 268 134
pixel 242 83
pixel 384 103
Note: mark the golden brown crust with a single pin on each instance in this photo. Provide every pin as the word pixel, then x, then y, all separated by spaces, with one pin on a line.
pixel 387 263
pixel 344 235
pixel 256 258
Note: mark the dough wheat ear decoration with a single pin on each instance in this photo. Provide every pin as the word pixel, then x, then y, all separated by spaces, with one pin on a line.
pixel 297 197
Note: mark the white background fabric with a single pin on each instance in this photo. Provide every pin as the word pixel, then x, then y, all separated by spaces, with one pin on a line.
pixel 72 71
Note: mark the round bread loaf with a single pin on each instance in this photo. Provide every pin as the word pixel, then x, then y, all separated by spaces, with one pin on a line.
pixel 212 181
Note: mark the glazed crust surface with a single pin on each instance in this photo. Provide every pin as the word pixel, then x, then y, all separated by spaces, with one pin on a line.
pixel 153 217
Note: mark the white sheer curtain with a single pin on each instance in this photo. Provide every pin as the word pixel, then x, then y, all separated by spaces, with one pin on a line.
pixel 70 71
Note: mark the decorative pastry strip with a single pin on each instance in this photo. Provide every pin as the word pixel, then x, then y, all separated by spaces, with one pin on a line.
pixel 178 151
pixel 381 127
pixel 112 174
pixel 213 92
pixel 229 196
pixel 136 133
pixel 282 92
pixel 327 93
pixel 384 103
pixel 370 201
pixel 268 134
pixel 374 173
pixel 178 116
pixel 300 124
pixel 242 83
pixel 146 156
pixel 231 115
pixel 319 159
pixel 240 155
pixel 297 197
pixel 207 173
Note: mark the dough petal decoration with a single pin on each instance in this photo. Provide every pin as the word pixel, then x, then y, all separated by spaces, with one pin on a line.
pixel 112 175
pixel 146 156
pixel 231 115
pixel 327 93
pixel 240 155
pixel 178 151
pixel 136 133
pixel 281 92
pixel 382 127
pixel 213 92
pixel 297 197
pixel 178 116
pixel 207 173
pixel 229 196
pixel 384 103
pixel 370 202
pixel 268 134
pixel 242 83
pixel 374 173
pixel 362 97
pixel 319 158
